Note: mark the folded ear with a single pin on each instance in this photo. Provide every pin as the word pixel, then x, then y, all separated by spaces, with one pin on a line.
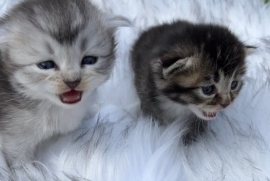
pixel 118 21
pixel 174 65
pixel 250 49
pixel 114 22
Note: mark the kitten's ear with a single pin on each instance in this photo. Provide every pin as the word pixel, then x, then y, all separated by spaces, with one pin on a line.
pixel 174 65
pixel 113 22
pixel 250 49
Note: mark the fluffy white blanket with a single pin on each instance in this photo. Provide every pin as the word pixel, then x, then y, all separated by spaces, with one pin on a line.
pixel 113 146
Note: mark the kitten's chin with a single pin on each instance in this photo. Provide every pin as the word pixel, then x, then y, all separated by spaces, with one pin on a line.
pixel 205 115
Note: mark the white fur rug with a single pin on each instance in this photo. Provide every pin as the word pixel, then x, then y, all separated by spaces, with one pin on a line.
pixel 113 146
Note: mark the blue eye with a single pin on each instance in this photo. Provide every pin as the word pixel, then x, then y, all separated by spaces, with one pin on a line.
pixel 208 90
pixel 46 65
pixel 89 60
pixel 234 85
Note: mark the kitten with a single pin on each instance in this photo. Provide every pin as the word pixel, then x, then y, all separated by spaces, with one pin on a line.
pixel 54 54
pixel 183 69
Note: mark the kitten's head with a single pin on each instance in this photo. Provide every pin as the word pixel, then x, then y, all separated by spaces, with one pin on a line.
pixel 200 66
pixel 56 49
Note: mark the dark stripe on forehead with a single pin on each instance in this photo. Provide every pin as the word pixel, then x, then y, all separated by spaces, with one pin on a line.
pixel 229 70
pixel 177 89
pixel 216 77
pixel 83 44
pixel 66 35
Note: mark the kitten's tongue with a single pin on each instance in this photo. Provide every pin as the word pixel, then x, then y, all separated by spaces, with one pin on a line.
pixel 71 97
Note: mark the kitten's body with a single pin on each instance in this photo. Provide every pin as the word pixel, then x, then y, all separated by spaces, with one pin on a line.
pixel 54 54
pixel 174 62
pixel 27 127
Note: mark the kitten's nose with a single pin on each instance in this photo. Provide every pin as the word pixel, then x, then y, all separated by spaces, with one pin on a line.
pixel 225 104
pixel 73 84
pixel 224 100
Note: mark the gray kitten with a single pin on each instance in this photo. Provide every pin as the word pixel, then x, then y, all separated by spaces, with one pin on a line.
pixel 183 69
pixel 54 54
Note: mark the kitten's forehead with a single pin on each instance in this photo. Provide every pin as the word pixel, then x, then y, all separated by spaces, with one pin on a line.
pixel 41 28
pixel 63 20
pixel 219 54
pixel 215 46
pixel 26 49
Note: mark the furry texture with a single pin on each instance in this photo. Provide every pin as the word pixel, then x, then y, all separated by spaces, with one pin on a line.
pixel 114 146
pixel 63 52
pixel 183 68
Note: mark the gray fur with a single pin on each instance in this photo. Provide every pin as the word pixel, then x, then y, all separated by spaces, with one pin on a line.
pixel 40 30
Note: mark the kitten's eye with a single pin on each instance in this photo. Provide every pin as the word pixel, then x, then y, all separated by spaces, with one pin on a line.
pixel 208 90
pixel 89 60
pixel 234 85
pixel 46 65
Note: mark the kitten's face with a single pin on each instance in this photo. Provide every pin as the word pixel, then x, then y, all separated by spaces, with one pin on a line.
pixel 205 90
pixel 204 76
pixel 57 55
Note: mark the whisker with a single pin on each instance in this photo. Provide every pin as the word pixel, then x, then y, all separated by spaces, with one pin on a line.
pixel 48 77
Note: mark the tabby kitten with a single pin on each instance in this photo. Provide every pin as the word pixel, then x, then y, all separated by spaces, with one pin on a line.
pixel 54 54
pixel 182 69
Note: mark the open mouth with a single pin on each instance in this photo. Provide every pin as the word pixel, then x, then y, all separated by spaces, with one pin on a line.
pixel 209 115
pixel 71 97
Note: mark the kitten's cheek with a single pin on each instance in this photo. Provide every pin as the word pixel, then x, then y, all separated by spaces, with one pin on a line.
pixel 20 78
pixel 24 82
